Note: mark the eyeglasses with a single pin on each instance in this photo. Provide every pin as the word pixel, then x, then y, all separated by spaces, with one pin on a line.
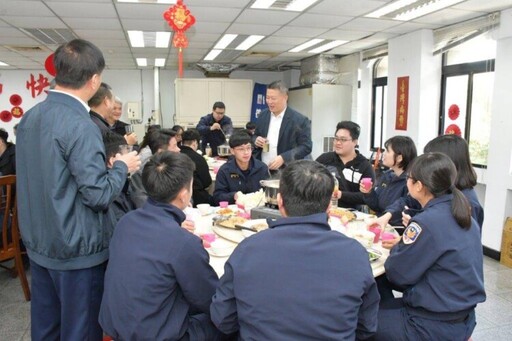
pixel 243 149
pixel 341 139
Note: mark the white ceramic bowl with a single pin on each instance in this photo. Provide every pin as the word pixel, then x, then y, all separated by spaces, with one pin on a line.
pixel 205 209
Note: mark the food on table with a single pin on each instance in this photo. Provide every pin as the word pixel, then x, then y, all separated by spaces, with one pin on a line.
pixel 260 226
pixel 226 211
pixel 231 222
pixel 373 254
pixel 344 215
pixel 250 200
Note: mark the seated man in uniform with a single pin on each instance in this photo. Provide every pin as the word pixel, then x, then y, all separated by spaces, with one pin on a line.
pixel 241 173
pixel 159 283
pixel 298 280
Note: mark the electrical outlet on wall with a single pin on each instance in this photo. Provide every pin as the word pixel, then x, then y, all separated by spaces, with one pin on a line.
pixel 133 111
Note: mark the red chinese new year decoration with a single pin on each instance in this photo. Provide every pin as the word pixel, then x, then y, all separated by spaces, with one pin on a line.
pixel 17 112
pixel 49 66
pixel 402 103
pixel 37 85
pixel 453 111
pixel 453 129
pixel 1 88
pixel 179 19
pixel 5 116
pixel 15 100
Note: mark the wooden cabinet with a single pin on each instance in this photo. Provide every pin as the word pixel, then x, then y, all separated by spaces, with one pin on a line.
pixel 195 98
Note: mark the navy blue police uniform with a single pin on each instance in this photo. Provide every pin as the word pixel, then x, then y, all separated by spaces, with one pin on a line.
pixel 439 267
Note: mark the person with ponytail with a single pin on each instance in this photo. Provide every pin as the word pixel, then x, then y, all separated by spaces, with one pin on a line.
pixel 438 264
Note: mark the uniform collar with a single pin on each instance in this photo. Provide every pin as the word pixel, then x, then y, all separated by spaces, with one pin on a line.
pixel 319 220
pixel 168 209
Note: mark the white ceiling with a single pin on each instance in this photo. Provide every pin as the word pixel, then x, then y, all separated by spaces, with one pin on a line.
pixel 105 22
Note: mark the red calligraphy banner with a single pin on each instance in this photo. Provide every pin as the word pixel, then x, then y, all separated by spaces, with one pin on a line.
pixel 402 103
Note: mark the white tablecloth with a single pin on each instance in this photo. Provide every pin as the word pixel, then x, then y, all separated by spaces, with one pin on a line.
pixel 204 225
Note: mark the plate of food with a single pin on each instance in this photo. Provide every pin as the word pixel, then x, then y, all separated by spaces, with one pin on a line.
pixel 343 214
pixel 225 227
pixel 254 226
pixel 373 254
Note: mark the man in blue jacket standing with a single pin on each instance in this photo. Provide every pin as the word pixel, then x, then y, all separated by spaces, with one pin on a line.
pixel 214 127
pixel 282 134
pixel 298 280
pixel 64 190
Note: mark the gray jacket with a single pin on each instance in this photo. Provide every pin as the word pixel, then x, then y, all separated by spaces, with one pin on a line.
pixel 63 185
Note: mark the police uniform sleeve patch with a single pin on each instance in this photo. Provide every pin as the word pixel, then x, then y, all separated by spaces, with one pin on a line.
pixel 411 233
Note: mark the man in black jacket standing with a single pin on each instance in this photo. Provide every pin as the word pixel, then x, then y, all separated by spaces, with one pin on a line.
pixel 202 178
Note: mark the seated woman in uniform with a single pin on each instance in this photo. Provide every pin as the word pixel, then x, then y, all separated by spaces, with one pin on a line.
pixel 458 151
pixel 392 185
pixel 241 173
pixel 438 263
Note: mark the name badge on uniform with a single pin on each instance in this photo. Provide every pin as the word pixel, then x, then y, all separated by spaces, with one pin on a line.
pixel 234 176
pixel 411 233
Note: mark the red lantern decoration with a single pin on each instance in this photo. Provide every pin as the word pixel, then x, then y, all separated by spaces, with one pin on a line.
pixel 17 112
pixel 179 19
pixel 453 112
pixel 5 116
pixel 453 129
pixel 15 100
pixel 49 66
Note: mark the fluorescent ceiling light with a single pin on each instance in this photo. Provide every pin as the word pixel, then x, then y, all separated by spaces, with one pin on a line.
pixel 306 45
pixel 294 5
pixel 160 62
pixel 328 46
pixel 225 41
pixel 426 8
pixel 212 54
pixel 3 64
pixel 299 5
pixel 262 4
pixel 150 1
pixel 136 38
pixel 142 61
pixel 392 7
pixel 162 39
pixel 249 42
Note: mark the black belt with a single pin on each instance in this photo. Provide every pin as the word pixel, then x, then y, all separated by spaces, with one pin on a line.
pixel 454 317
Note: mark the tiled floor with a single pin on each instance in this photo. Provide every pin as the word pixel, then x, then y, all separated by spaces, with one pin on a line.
pixel 494 317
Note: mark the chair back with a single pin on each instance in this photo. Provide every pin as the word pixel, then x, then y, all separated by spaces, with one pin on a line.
pixel 10 239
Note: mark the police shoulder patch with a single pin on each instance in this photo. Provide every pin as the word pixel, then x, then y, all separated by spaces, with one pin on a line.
pixel 411 233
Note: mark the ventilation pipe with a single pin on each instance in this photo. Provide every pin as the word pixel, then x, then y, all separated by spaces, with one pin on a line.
pixel 320 69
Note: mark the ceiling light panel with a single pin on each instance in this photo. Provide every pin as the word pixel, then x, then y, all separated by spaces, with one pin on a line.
pixel 287 5
pixel 249 42
pixel 425 9
pixel 136 38
pixel 160 62
pixel 212 54
pixel 328 46
pixel 149 39
pixel 142 61
pixel 392 7
pixel 162 39
pixel 3 64
pixel 225 41
pixel 150 1
pixel 306 45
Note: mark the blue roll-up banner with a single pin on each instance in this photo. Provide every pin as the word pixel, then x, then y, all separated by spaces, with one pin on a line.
pixel 258 100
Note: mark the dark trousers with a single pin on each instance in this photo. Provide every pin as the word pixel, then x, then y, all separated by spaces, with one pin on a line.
pixel 65 304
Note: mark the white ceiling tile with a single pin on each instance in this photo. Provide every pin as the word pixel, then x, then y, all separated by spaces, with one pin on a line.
pixel 484 6
pixel 294 41
pixel 252 29
pixel 97 23
pixel 269 17
pixel 307 32
pixel 137 11
pixel 13 8
pixel 447 17
pixel 214 14
pixel 102 34
pixel 208 27
pixel 345 35
pixel 369 24
pixel 146 25
pixel 408 27
pixel 203 37
pixel 318 20
pixel 346 7
pixel 218 3
pixel 35 22
pixel 92 10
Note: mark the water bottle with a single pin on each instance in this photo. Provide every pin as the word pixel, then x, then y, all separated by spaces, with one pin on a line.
pixel 334 198
pixel 208 150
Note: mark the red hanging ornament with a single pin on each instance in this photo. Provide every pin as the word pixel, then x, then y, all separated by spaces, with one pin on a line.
pixel 49 66
pixel 5 116
pixel 15 100
pixel 453 129
pixel 453 112
pixel 17 112
pixel 179 19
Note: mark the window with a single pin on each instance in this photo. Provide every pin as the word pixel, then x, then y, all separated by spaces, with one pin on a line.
pixel 379 102
pixel 467 83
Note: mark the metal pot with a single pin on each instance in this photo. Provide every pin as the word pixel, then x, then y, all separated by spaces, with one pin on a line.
pixel 271 188
pixel 223 150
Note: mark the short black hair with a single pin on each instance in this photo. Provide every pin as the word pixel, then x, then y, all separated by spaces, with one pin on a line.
pixel 103 91
pixel 170 132
pixel 353 128
pixel 156 140
pixel 112 141
pixel 239 138
pixel 457 150
pixel 219 105
pixel 250 125
pixel 306 188
pixel 76 62
pixel 404 146
pixel 190 135
pixel 177 129
pixel 4 135
pixel 166 174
